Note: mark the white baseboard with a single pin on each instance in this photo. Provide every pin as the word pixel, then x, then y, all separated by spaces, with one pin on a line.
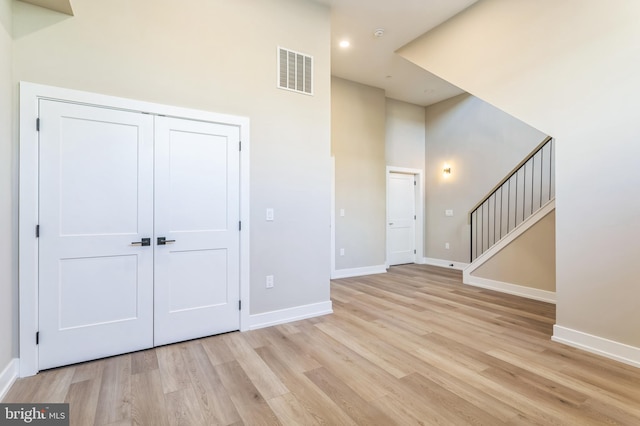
pixel 358 272
pixel 516 290
pixel 8 377
pixel 608 348
pixel 444 263
pixel 282 316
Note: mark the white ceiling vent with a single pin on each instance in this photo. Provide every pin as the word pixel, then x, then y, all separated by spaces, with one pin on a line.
pixel 295 71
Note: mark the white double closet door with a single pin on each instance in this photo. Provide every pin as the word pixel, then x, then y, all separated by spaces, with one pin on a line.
pixel 139 239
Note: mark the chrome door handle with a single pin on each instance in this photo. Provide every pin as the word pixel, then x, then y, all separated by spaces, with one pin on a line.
pixel 143 242
pixel 163 241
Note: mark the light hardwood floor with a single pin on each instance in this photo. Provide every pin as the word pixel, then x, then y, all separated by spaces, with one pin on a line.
pixel 413 346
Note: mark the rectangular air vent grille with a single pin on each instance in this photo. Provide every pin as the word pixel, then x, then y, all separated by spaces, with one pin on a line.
pixel 295 71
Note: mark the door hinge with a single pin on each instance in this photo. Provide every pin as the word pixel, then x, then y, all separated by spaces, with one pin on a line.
pixel 414 183
pixel 240 146
pixel 38 124
pixel 414 217
pixel 37 337
pixel 37 231
pixel 414 252
pixel 240 226
pixel 239 305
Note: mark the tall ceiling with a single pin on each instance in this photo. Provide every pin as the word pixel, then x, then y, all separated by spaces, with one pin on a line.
pixel 372 60
pixel 369 59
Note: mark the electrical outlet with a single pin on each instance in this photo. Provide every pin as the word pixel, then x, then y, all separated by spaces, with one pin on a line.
pixel 269 281
pixel 341 252
pixel 446 246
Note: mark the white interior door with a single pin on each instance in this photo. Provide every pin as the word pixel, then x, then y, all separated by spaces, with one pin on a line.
pixel 197 283
pixel 113 184
pixel 401 219
pixel 96 201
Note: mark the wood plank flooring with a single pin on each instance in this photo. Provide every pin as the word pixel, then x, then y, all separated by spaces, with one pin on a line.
pixel 410 347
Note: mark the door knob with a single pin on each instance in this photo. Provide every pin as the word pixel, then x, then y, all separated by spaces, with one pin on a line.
pixel 143 242
pixel 163 241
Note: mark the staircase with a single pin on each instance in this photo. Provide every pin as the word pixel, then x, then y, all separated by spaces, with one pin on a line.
pixel 513 230
pixel 523 192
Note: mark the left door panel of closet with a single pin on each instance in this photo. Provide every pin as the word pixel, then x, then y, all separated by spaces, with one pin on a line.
pixel 95 216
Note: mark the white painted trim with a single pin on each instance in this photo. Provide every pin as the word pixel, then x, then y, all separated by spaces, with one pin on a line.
pixel 283 316
pixel 511 236
pixel 28 218
pixel 597 345
pixel 245 218
pixel 9 376
pixel 358 272
pixel 97 99
pixel 30 94
pixel 517 290
pixel 444 263
pixel 419 209
pixel 333 216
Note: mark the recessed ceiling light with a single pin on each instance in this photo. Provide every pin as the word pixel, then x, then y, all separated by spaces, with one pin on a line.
pixel 345 43
pixel 379 32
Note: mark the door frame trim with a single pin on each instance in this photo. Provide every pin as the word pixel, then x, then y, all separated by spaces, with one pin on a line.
pixel 418 175
pixel 30 94
pixel 333 218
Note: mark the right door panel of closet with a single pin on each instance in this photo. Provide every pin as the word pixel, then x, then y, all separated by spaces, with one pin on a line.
pixel 197 237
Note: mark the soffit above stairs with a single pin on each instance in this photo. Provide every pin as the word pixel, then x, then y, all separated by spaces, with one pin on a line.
pixel 62 6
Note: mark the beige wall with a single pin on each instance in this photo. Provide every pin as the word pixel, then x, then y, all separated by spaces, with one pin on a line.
pixel 405 135
pixel 528 261
pixel 463 131
pixel 571 69
pixel 8 244
pixel 358 144
pixel 217 56
pixel 481 144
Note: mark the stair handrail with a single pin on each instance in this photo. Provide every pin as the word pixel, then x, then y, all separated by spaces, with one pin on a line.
pixel 515 170
pixel 475 211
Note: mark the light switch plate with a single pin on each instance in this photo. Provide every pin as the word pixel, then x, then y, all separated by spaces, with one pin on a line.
pixel 270 214
pixel 448 213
